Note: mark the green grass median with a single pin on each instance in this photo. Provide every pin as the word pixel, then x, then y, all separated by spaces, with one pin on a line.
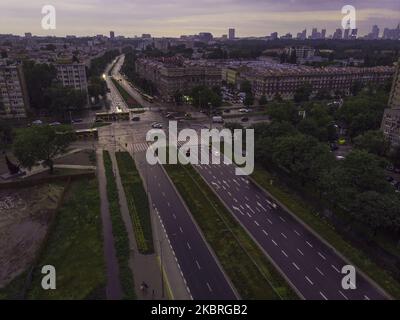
pixel 129 100
pixel 120 234
pixel 251 273
pixel 137 200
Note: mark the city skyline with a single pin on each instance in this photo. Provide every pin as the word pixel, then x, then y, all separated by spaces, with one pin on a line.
pixel 249 18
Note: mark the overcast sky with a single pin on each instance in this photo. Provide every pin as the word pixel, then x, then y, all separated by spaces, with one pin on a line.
pixel 176 17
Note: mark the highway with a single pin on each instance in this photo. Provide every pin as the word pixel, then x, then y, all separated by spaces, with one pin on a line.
pixel 117 102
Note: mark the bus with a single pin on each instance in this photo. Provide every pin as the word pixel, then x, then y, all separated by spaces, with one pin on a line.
pixel 147 98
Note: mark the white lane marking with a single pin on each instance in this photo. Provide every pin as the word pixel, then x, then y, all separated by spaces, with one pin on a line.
pixel 309 244
pixel 174 215
pixel 367 298
pixel 334 268
pixel 249 214
pixel 275 243
pixel 235 200
pixel 323 296
pixel 285 254
pixel 257 224
pixel 296 266
pixel 260 205
pixel 159 185
pixel 249 208
pixel 188 245
pixel 168 204
pixel 282 219
pixel 198 265
pixel 230 194
pixel 283 235
pixel 163 193
pixel 247 198
pixel 296 232
pixel 265 232
pixel 343 295
pixel 181 229
pixel 269 221
pixel 309 280
pixel 209 287
pixel 274 205
pixel 301 252
pixel 321 255
pixel 258 197
pixel 316 268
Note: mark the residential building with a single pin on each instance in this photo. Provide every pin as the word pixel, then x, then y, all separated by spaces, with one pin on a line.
pixel 231 34
pixel 391 118
pixel 112 35
pixel 176 74
pixel 14 101
pixel 72 75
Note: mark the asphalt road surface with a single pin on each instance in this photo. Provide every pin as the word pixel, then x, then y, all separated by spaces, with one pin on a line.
pixel 204 277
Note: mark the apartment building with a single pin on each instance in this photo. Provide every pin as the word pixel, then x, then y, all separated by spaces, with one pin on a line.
pixel 172 75
pixel 72 75
pixel 391 118
pixel 285 80
pixel 14 101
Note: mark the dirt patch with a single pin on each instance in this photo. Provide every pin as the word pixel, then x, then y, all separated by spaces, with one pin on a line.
pixel 81 158
pixel 24 221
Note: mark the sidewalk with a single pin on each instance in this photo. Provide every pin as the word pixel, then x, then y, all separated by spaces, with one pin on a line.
pixel 145 268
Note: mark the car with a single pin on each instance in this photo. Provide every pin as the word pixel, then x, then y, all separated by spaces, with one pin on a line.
pixel 157 125
pixel 37 122
pixel 340 158
pixel 136 119
pixel 77 121
pixel 56 123
pixel 389 179
pixel 227 111
pixel 244 110
pixel 245 119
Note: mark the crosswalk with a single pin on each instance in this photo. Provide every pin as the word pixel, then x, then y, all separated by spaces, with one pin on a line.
pixel 142 147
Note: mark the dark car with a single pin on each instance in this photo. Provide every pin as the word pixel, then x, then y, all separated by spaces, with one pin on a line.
pixel 227 111
pixel 245 119
pixel 136 119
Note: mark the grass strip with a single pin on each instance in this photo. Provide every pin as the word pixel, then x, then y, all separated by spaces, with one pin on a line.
pixel 297 206
pixel 138 202
pixel 75 248
pixel 120 234
pixel 251 273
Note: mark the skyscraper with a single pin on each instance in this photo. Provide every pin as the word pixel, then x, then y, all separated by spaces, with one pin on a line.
pixel 231 34
pixel 112 35
pixel 338 34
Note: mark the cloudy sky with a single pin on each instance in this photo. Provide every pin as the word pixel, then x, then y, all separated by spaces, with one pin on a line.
pixel 176 17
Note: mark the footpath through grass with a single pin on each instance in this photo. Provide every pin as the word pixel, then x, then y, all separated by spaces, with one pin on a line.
pixel 251 273
pixel 120 234
pixel 129 100
pixel 138 202
pixel 296 205
pixel 75 248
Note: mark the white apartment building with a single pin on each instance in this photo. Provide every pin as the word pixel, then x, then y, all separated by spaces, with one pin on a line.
pixel 72 75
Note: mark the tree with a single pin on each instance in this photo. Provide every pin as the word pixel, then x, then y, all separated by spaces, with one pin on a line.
pixel 202 96
pixel 394 156
pixel 41 144
pixel 64 99
pixel 374 142
pixel 263 100
pixel 285 111
pixel 6 135
pixel 303 93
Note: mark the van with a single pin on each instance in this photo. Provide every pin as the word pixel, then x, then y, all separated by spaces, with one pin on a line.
pixel 217 119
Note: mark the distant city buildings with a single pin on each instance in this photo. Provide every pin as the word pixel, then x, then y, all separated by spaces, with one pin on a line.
pixel 302 35
pixel 391 34
pixel 338 34
pixel 231 34
pixel 391 118
pixel 14 101
pixel 112 35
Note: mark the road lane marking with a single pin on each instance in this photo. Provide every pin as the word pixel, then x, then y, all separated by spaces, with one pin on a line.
pixel 343 295
pixel 174 215
pixel 309 280
pixel 367 298
pixel 296 266
pixel 334 268
pixel 209 287
pixel 269 221
pixel 198 265
pixel 260 205
pixel 295 231
pixel 316 268
pixel 323 296
pixel 163 193
pixel 285 254
pixel 300 252
pixel 235 200
pixel 257 224
pixel 282 219
pixel 321 255
pixel 265 232
pixel 283 235
pixel 168 204
pixel 275 243
pixel 181 230
pixel 309 244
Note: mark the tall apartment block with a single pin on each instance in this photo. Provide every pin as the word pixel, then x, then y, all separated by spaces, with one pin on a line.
pixel 391 117
pixel 14 101
pixel 72 75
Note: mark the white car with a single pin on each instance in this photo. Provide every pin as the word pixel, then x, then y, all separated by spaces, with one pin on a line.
pixel 243 110
pixel 157 125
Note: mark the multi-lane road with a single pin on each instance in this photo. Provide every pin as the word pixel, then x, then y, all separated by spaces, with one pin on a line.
pixel 312 267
